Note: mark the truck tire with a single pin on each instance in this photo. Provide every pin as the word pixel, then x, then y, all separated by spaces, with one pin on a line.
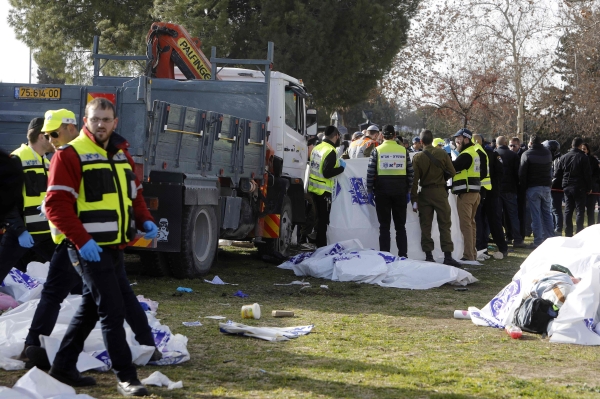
pixel 155 264
pixel 199 242
pixel 282 244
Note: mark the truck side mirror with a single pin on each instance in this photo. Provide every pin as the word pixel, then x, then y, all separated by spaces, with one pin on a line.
pixel 311 122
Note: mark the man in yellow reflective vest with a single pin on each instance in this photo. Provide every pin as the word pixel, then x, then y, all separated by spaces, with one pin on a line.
pixel 27 229
pixel 362 147
pixel 324 166
pixel 389 179
pixel 96 201
pixel 470 170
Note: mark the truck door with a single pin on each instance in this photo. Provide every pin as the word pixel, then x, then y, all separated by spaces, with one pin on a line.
pixel 294 143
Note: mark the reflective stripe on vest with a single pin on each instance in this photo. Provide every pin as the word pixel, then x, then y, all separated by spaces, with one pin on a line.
pixel 317 183
pixel 468 180
pixel 391 159
pixel 487 182
pixel 35 169
pixel 106 193
pixel 357 148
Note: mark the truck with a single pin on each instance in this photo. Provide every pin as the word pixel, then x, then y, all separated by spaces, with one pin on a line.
pixel 221 153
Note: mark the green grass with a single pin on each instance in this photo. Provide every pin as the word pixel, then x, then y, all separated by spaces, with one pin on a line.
pixel 368 341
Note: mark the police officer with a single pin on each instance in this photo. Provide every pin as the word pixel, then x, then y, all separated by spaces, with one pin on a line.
pixel 433 197
pixel 95 200
pixel 363 147
pixel 324 166
pixel 389 178
pixel 26 228
pixel 470 170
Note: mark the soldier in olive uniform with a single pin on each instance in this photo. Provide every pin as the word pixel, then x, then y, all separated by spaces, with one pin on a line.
pixel 433 197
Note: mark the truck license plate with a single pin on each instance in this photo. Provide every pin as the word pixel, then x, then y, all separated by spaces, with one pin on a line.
pixel 39 93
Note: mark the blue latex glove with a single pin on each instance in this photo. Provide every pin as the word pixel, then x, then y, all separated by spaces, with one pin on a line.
pixel 42 212
pixel 26 240
pixel 151 230
pixel 91 251
pixel 371 198
pixel 407 198
pixel 342 163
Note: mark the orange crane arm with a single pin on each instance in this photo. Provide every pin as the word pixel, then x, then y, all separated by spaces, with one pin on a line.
pixel 172 45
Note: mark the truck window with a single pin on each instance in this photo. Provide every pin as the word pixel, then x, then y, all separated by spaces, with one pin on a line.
pixel 291 109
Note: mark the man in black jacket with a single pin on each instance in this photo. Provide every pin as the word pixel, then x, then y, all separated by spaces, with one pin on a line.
pixel 576 175
pixel 508 191
pixel 535 181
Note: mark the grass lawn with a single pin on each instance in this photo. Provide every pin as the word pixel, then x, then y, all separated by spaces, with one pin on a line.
pixel 368 341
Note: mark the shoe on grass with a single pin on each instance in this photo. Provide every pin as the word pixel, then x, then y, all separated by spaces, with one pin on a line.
pixel 132 388
pixel 72 377
pixel 38 357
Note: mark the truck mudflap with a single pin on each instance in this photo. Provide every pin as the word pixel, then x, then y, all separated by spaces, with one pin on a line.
pixel 167 214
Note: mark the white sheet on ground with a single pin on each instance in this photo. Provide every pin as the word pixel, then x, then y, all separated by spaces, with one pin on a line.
pixel 352 216
pixel 36 384
pixel 349 261
pixel 577 321
pixel 14 326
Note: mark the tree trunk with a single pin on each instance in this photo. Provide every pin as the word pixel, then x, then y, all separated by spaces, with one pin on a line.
pixel 521 118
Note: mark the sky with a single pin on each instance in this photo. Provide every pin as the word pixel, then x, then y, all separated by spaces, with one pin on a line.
pixel 17 70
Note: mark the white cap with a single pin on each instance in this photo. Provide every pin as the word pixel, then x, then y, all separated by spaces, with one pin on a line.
pixel 373 127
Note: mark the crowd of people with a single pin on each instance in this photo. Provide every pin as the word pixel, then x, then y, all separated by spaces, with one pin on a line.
pixel 503 189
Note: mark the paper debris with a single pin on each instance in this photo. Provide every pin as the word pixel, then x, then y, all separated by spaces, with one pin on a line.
pixel 191 323
pixel 217 280
pixel 159 379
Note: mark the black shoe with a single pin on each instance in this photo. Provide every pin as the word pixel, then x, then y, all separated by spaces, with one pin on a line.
pixel 156 356
pixel 463 259
pixel 72 377
pixel 451 262
pixel 38 357
pixel 429 257
pixel 532 246
pixel 519 245
pixel 132 388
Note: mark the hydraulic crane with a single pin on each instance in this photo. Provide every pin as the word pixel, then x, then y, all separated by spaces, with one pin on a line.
pixel 170 45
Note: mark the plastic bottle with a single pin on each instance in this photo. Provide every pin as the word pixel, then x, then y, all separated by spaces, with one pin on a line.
pixel 514 332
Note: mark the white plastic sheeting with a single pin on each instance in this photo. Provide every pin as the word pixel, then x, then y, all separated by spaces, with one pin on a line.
pixel 14 327
pixel 578 318
pixel 36 384
pixel 349 261
pixel 352 216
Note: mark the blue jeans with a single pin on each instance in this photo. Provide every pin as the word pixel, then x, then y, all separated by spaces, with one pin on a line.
pixel 557 212
pixel 540 206
pixel 511 210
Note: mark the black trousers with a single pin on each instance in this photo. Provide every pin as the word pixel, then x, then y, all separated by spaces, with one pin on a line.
pixel 492 211
pixel 557 212
pixel 106 296
pixel 590 207
pixel 574 199
pixel 323 207
pixel 11 252
pixel 388 207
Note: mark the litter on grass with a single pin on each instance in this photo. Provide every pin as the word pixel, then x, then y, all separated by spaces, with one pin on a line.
pixel 191 323
pixel 159 379
pixel 215 317
pixel 217 281
pixel 241 294
pixel 184 289
pixel 266 333
pixel 296 283
pixel 37 384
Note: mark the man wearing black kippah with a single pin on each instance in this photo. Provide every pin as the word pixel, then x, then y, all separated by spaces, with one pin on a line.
pixel 26 228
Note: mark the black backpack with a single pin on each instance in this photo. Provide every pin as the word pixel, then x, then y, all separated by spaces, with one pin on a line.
pixel 534 314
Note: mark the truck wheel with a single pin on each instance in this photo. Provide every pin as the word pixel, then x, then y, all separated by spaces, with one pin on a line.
pixel 199 244
pixel 155 264
pixel 283 243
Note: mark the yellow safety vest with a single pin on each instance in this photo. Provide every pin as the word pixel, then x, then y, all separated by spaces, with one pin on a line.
pixel 468 180
pixel 35 169
pixel 391 159
pixel 317 183
pixel 106 193
pixel 487 181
